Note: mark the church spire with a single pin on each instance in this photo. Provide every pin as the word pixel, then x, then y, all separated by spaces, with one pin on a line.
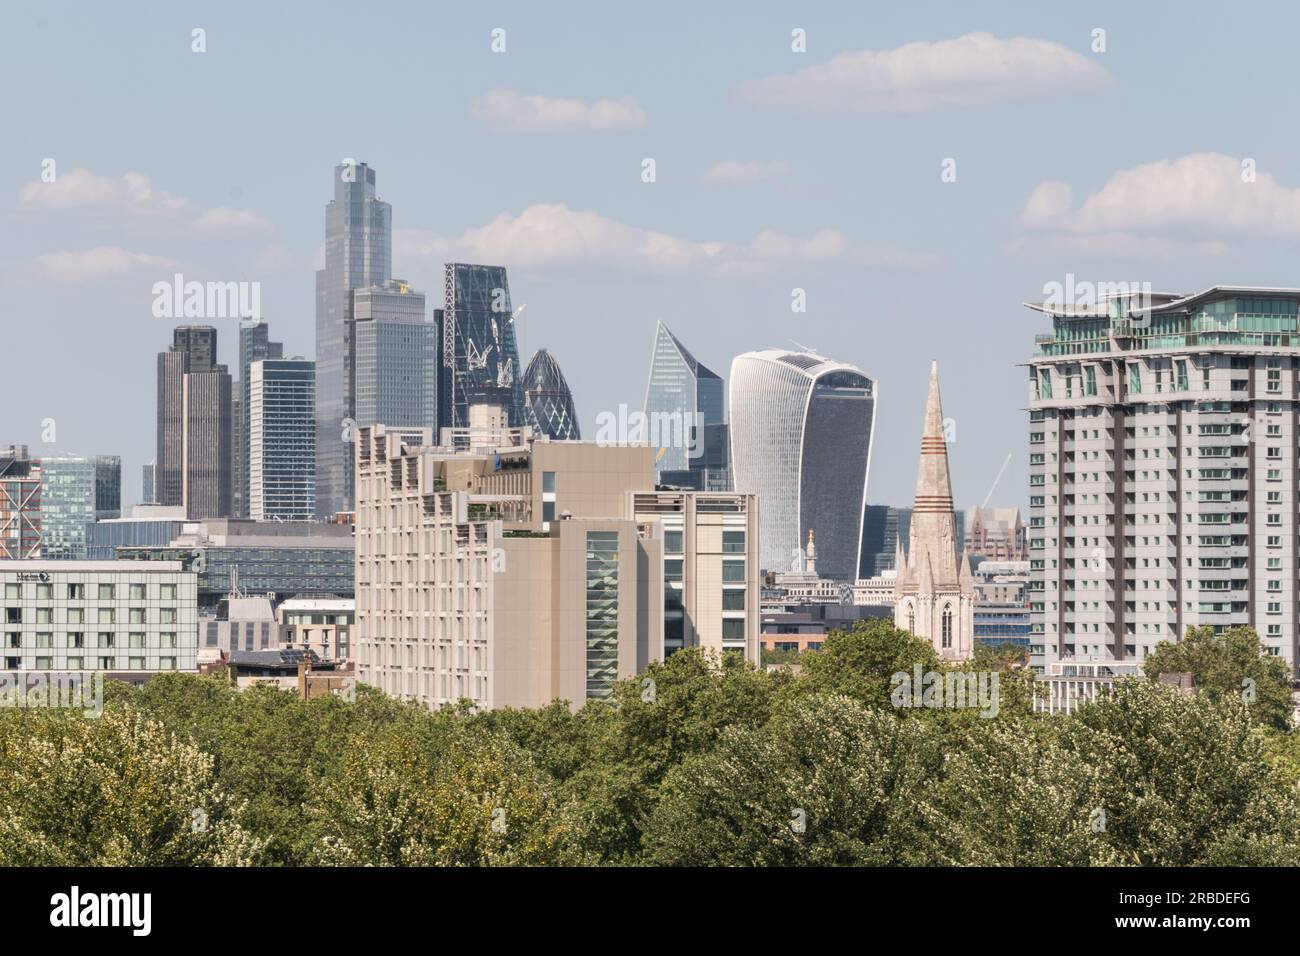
pixel 933 487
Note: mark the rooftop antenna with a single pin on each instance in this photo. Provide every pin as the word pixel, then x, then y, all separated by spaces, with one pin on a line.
pixel 518 338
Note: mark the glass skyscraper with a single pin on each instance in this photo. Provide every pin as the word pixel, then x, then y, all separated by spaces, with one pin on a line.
pixel 549 401
pixel 396 358
pixel 682 393
pixel 800 434
pixel 75 492
pixel 358 254
pixel 282 439
pixel 478 340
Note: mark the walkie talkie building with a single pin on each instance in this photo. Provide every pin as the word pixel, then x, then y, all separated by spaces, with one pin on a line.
pixel 801 429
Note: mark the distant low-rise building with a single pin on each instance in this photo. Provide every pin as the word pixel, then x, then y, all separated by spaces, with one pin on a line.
pixel 322 624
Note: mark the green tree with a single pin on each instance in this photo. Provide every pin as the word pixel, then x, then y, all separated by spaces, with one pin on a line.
pixel 119 790
pixel 1229 665
pixel 860 663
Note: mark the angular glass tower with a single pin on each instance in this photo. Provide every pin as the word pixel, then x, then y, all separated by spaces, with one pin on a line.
pixel 681 387
pixel 548 399
pixel 800 434
pixel 358 254
pixel 478 341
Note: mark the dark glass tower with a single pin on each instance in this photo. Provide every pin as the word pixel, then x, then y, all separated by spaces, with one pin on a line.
pixel 478 340
pixel 549 401
pixel 358 254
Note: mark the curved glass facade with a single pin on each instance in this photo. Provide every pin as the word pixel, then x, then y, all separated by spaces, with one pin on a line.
pixel 801 440
pixel 548 399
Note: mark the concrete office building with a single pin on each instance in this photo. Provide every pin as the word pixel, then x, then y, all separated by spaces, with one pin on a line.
pixel 513 571
pixel 123 618
pixel 396 355
pixel 193 461
pixel 20 504
pixel 358 254
pixel 321 623
pixel 711 573
pixel 282 439
pixel 254 345
pixel 800 433
pixel 1002 614
pixel 1164 451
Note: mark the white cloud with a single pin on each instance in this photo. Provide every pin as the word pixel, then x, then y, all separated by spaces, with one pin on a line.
pixel 226 223
pixel 89 265
pixel 130 195
pixel 509 111
pixel 276 258
pixel 974 70
pixel 733 173
pixel 1167 208
pixel 550 237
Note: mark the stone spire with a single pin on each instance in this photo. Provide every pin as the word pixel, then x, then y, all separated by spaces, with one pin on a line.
pixel 933 532
pixel 810 555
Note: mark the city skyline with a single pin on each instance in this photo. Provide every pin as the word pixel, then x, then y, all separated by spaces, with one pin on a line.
pixel 811 210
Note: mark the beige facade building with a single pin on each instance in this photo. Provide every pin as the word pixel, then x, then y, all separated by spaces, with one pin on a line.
pixel 512 571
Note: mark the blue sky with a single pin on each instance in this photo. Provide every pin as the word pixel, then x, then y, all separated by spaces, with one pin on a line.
pixel 775 170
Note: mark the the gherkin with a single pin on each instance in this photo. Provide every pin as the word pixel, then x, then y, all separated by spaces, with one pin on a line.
pixel 548 399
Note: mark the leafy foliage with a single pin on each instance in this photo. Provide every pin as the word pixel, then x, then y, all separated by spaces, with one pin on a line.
pixel 700 760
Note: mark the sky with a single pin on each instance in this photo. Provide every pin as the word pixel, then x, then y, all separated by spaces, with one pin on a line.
pixel 917 170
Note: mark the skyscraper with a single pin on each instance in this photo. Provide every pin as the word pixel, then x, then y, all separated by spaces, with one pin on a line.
pixel 254 345
pixel 682 394
pixel 935 590
pixel 193 463
pixel 548 399
pixel 801 427
pixel 883 527
pixel 478 340
pixel 396 357
pixel 76 491
pixel 282 439
pixel 1162 473
pixel 358 254
pixel 147 494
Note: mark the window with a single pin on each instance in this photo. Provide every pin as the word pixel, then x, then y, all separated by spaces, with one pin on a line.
pixel 733 629
pixel 548 481
pixel 105 640
pixel 76 615
pixel 733 571
pixel 137 592
pixel 733 600
pixel 167 592
pixel 167 615
pixel 947 625
pixel 673 569
pixel 106 615
pixel 733 542
pixel 13 592
pixel 672 542
pixel 137 615
pixel 135 640
pixel 76 592
pixel 45 592
pixel 106 592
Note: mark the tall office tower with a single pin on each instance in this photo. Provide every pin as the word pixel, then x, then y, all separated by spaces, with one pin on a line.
pixel 77 491
pixel 396 354
pixel 20 504
pixel 883 528
pixel 935 590
pixel 147 494
pixel 548 399
pixel 358 254
pixel 254 345
pixel 193 463
pixel 997 534
pixel 1163 469
pixel 282 439
pixel 478 340
pixel 801 428
pixel 681 394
